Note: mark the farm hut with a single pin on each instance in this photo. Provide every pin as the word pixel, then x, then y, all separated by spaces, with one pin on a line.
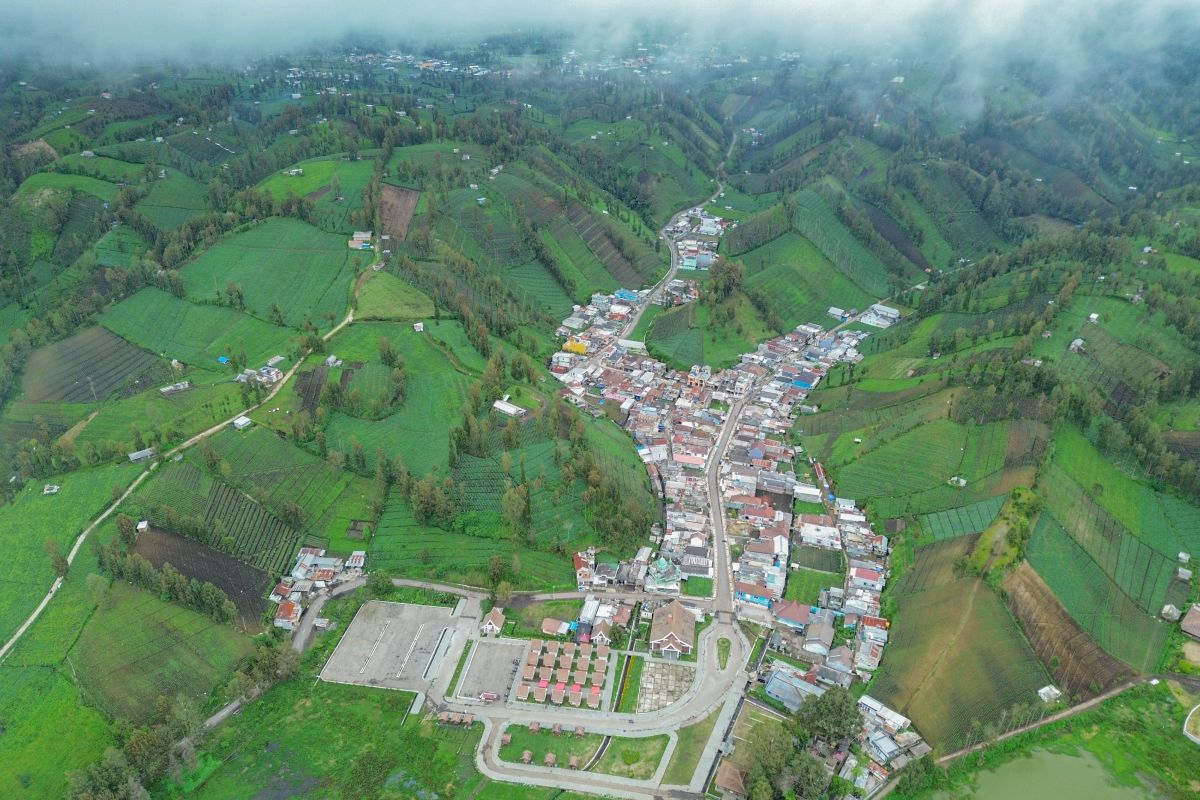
pixel 419 327
pixel 550 760
pixel 523 691
pixel 139 456
pixel 505 738
pixel 593 697
pixel 573 762
pixel 1191 622
pixel 468 719
pixel 579 730
pixel 51 488
pixel 526 757
pixel 558 694
pixel 557 729
pixel 535 727
pixel 456 718
pixel 242 423
pixel 575 696
pixel 143 525
pixel 443 717
pixel 1184 574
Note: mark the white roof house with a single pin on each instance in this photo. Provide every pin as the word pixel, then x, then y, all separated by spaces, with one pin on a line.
pixel 241 423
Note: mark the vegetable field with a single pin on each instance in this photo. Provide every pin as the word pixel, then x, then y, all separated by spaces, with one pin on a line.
pixel 675 338
pixel 283 262
pixel 819 223
pixel 817 558
pixel 86 367
pixel 386 296
pixel 1093 599
pixel 196 335
pixel 181 497
pixel 956 657
pixel 137 647
pixel 174 200
pixel 973 518
pixel 798 282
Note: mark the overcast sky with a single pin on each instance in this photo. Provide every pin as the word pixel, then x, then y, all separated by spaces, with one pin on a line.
pixel 1067 31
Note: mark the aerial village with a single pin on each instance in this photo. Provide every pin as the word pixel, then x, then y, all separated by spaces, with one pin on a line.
pixel 770 510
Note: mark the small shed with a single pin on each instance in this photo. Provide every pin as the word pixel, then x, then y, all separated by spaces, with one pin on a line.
pixel 242 423
pixel 535 727
pixel 526 757
pixel 573 763
pixel 550 760
pixel 141 455
pixel 505 738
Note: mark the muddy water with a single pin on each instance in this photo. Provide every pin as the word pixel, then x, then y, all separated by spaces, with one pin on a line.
pixel 1050 776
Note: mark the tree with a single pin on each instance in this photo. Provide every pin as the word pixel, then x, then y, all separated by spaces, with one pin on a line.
pixel 379 583
pixel 832 716
pixel 504 593
pixel 807 776
pixel 58 562
pixel 495 568
pixel 128 529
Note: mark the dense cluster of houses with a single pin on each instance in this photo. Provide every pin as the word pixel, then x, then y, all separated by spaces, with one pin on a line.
pixel 696 236
pixel 313 572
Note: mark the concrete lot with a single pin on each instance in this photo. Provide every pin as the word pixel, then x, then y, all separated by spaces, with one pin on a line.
pixel 392 645
pixel 491 668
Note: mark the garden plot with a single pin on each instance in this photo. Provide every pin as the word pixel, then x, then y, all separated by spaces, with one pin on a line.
pixel 392 646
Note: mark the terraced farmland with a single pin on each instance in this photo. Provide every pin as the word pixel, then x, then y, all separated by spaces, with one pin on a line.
pixel 963 520
pixel 820 224
pixel 174 200
pixel 283 262
pixel 86 367
pixel 196 335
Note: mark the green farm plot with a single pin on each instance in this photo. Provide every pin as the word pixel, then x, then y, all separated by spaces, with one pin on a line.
pixel 196 335
pixel 955 654
pixel 283 262
pixel 538 284
pixel 407 548
pixel 278 474
pixel 818 222
pixel 182 497
pixel 959 221
pixel 58 181
pixel 642 329
pixel 798 282
pixel 1093 599
pixel 86 367
pixel 676 338
pixel 102 167
pixel 632 758
pixel 546 741
pixel 922 458
pixel 120 247
pixel 48 732
pixel 137 647
pixel 80 228
pixel 175 417
pixel 33 517
pixel 173 201
pixel 576 259
pixel 419 430
pixel 385 296
pixel 1166 523
pixel 963 520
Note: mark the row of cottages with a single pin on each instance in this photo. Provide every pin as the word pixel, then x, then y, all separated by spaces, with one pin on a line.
pixel 673 630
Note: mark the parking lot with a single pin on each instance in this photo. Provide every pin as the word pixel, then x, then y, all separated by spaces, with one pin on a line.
pixel 491 668
pixel 392 645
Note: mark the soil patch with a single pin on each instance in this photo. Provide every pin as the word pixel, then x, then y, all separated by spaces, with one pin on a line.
pixel 396 206
pixel 245 585
pixel 309 385
pixel 318 194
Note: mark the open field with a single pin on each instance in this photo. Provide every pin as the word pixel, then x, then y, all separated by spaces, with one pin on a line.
pixel 818 222
pixel 804 585
pixel 56 181
pixel 196 335
pixel 47 642
pixel 32 518
pixel 963 520
pixel 137 647
pixel 48 732
pixel 283 262
pixel 86 367
pixel 798 282
pixel 384 296
pixel 563 746
pixel 956 656
pixel 245 585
